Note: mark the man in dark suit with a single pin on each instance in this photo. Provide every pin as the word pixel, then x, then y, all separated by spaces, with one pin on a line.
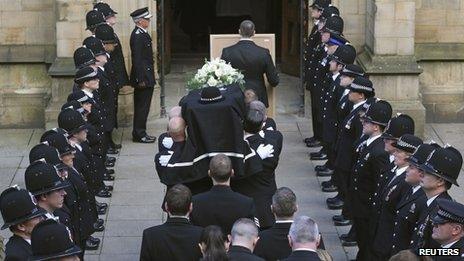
pixel 448 228
pixel 391 195
pixel 142 75
pixel 303 237
pixel 221 206
pixel 412 204
pixel 20 215
pixel 273 242
pixel 177 239
pixel 253 61
pixel 262 185
pixel 371 161
pixel 441 170
pixel 243 238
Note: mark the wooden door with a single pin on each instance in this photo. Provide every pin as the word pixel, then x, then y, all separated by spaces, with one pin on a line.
pixel 291 37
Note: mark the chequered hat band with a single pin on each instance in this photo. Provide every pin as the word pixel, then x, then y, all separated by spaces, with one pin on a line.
pixel 450 216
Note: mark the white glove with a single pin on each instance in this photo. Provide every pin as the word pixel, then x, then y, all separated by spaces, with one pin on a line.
pixel 164 160
pixel 265 151
pixel 167 142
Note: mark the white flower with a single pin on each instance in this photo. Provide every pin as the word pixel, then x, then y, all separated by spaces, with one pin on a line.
pixel 212 82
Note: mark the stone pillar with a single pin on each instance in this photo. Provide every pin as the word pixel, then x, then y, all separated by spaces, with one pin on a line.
pixel 70 33
pixel 389 59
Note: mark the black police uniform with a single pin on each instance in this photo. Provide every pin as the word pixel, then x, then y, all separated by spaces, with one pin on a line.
pixel 222 207
pixel 273 242
pixel 177 239
pixel 17 249
pixel 142 72
pixel 262 186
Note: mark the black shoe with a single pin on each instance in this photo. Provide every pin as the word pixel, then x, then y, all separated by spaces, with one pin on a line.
pixel 320 167
pixel 313 144
pixel 108 188
pixel 98 228
pixel 101 211
pixel 335 205
pixel 327 183
pixel 332 188
pixel 109 164
pixel 108 178
pixel 101 204
pixel 89 245
pixel 315 154
pixel 99 222
pixel 116 146
pixel 103 194
pixel 95 240
pixel 348 237
pixel 144 140
pixel 151 137
pixel 322 156
pixel 110 171
pixel 308 140
pixel 333 199
pixel 341 223
pixel 325 173
pixel 349 243
pixel 110 159
pixel 112 151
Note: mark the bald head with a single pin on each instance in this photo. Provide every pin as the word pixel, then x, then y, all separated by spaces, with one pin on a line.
pixel 176 129
pixel 247 29
pixel 259 106
pixel 176 111
pixel 244 233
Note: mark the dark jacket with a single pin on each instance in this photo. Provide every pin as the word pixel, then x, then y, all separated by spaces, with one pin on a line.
pixel 460 246
pixel 314 39
pixel 222 207
pixel 350 131
pixel 262 185
pixel 253 61
pixel 117 57
pixel 407 213
pixel 106 94
pixel 371 161
pixel 239 253
pixel 177 239
pixel 17 249
pixel 302 255
pixel 273 242
pixel 391 196
pixel 422 237
pixel 329 109
pixel 142 70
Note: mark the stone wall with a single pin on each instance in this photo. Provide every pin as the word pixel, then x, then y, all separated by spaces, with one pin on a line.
pixel 354 16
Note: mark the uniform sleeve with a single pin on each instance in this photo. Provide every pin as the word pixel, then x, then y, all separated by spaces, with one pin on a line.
pixel 271 71
pixel 138 59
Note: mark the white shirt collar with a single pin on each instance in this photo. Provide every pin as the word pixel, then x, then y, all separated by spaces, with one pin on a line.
pixel 357 105
pixel 334 76
pixel 101 67
pixel 345 92
pixel 415 189
pixel 283 221
pixel 247 135
pixel 304 249
pixel 246 39
pixel 176 216
pixel 430 200
pixel 78 146
pixel 450 244
pixel 28 240
pixel 400 171
pixel 372 139
pixel 316 22
pixel 325 48
pixel 143 29
pixel 90 94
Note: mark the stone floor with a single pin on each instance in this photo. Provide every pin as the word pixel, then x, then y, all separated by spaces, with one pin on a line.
pixel 137 195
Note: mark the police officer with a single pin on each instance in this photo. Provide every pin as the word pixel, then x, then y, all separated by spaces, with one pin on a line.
pixel 20 214
pixel 313 40
pixel 441 170
pixel 448 227
pixel 51 241
pixel 94 18
pixel 371 160
pixel 320 67
pixel 412 204
pixel 48 188
pixel 142 74
pixel 395 189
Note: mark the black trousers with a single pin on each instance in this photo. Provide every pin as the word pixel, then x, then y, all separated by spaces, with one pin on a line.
pixel 316 115
pixel 142 101
pixel 342 179
pixel 362 238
